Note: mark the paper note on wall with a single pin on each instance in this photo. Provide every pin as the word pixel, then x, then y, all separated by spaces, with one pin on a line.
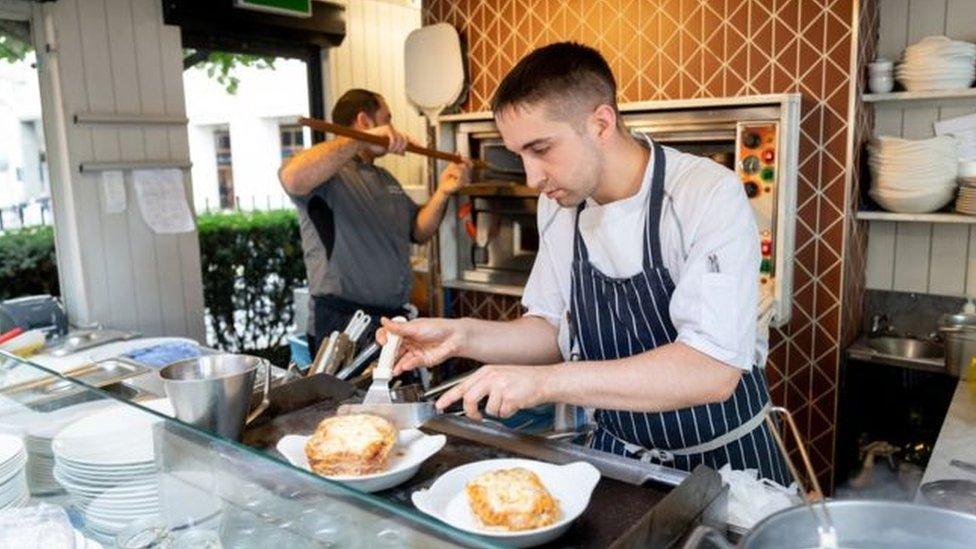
pixel 162 200
pixel 113 192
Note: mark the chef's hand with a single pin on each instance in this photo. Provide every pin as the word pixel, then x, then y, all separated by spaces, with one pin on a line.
pixel 455 176
pixel 397 141
pixel 425 342
pixel 508 388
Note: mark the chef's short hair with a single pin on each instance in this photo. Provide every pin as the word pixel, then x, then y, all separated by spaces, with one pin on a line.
pixel 353 102
pixel 566 75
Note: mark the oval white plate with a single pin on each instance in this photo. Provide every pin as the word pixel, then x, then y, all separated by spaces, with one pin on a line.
pixel 571 484
pixel 118 435
pixel 412 449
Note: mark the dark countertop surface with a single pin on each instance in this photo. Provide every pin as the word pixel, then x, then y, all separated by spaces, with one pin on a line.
pixel 615 508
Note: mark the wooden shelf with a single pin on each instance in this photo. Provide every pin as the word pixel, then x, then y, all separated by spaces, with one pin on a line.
pixel 917 218
pixel 968 93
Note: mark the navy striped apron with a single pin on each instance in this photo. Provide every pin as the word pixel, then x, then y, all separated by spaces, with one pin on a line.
pixel 614 318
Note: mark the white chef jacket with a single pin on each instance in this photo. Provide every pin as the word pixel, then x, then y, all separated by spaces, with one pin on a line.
pixel 705 212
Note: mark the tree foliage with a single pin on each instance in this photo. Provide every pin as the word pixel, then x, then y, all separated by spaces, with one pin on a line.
pixel 220 65
pixel 14 41
pixel 15 45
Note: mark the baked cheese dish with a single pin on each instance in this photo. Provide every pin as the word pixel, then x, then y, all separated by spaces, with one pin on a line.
pixel 511 499
pixel 351 445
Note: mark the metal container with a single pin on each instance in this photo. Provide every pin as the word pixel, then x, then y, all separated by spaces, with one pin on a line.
pixel 213 392
pixel 864 524
pixel 959 332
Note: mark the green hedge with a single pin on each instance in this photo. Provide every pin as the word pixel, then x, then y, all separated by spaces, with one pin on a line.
pixel 27 264
pixel 250 261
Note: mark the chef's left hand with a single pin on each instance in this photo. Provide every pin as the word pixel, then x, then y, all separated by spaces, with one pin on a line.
pixel 455 176
pixel 508 388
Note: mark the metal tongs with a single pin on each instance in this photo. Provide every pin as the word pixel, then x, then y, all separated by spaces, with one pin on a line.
pixel 338 351
pixel 825 524
pixel 378 399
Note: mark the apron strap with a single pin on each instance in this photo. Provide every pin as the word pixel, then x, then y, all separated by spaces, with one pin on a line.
pixel 648 455
pixel 655 201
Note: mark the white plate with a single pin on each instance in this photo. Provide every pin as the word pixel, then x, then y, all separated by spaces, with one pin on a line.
pixel 11 447
pixel 571 485
pixel 115 477
pixel 144 468
pixel 191 490
pixel 13 468
pixel 413 447
pixel 118 435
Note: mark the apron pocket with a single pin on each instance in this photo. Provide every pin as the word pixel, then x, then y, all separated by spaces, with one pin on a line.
pixel 719 309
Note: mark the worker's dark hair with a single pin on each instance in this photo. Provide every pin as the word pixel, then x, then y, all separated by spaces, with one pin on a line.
pixel 567 75
pixel 353 102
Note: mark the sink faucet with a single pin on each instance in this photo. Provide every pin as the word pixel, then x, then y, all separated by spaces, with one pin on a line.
pixel 880 324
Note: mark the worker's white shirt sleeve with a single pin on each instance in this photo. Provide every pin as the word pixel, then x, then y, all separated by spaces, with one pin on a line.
pixel 715 312
pixel 546 292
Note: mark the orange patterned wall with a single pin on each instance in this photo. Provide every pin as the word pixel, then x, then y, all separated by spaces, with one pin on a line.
pixel 677 49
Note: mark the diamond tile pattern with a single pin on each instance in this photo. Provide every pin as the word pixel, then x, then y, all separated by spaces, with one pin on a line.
pixel 485 306
pixel 676 49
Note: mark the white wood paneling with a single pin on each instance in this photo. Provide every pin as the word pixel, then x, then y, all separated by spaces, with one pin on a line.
pixel 116 56
pixel 881 251
pixel 913 243
pixel 910 256
pixel 371 57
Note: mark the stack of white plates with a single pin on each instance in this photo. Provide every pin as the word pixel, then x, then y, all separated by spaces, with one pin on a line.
pixel 40 466
pixel 966 203
pixel 39 429
pixel 937 63
pixel 13 477
pixel 913 176
pixel 106 462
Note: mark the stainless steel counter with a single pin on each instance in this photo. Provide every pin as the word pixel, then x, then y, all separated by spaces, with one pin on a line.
pixel 860 350
pixel 957 438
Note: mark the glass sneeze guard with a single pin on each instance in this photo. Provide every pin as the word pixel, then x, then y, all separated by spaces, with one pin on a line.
pixel 127 474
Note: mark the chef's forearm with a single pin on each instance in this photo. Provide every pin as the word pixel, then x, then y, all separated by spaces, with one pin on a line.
pixel 527 340
pixel 312 167
pixel 670 377
pixel 429 217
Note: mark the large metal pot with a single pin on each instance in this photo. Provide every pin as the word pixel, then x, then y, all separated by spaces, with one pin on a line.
pixel 867 525
pixel 960 347
pixel 857 523
pixel 959 332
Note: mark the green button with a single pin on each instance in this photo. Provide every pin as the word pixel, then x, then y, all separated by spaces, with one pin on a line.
pixel 767 174
pixel 766 266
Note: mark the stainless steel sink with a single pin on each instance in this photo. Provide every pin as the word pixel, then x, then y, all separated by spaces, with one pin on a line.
pixel 906 347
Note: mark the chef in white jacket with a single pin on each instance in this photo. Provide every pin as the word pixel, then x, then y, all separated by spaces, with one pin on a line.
pixel 641 305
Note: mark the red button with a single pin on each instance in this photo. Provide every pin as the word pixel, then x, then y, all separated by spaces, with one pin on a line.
pixel 766 247
pixel 768 155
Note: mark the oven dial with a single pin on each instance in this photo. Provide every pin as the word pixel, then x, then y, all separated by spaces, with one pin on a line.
pixel 751 164
pixel 751 140
pixel 752 190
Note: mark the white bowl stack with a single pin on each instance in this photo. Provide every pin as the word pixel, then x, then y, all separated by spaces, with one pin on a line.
pixel 106 462
pixel 13 474
pixel 913 176
pixel 937 63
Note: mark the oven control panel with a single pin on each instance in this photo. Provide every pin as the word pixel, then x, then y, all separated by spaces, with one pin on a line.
pixel 756 144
